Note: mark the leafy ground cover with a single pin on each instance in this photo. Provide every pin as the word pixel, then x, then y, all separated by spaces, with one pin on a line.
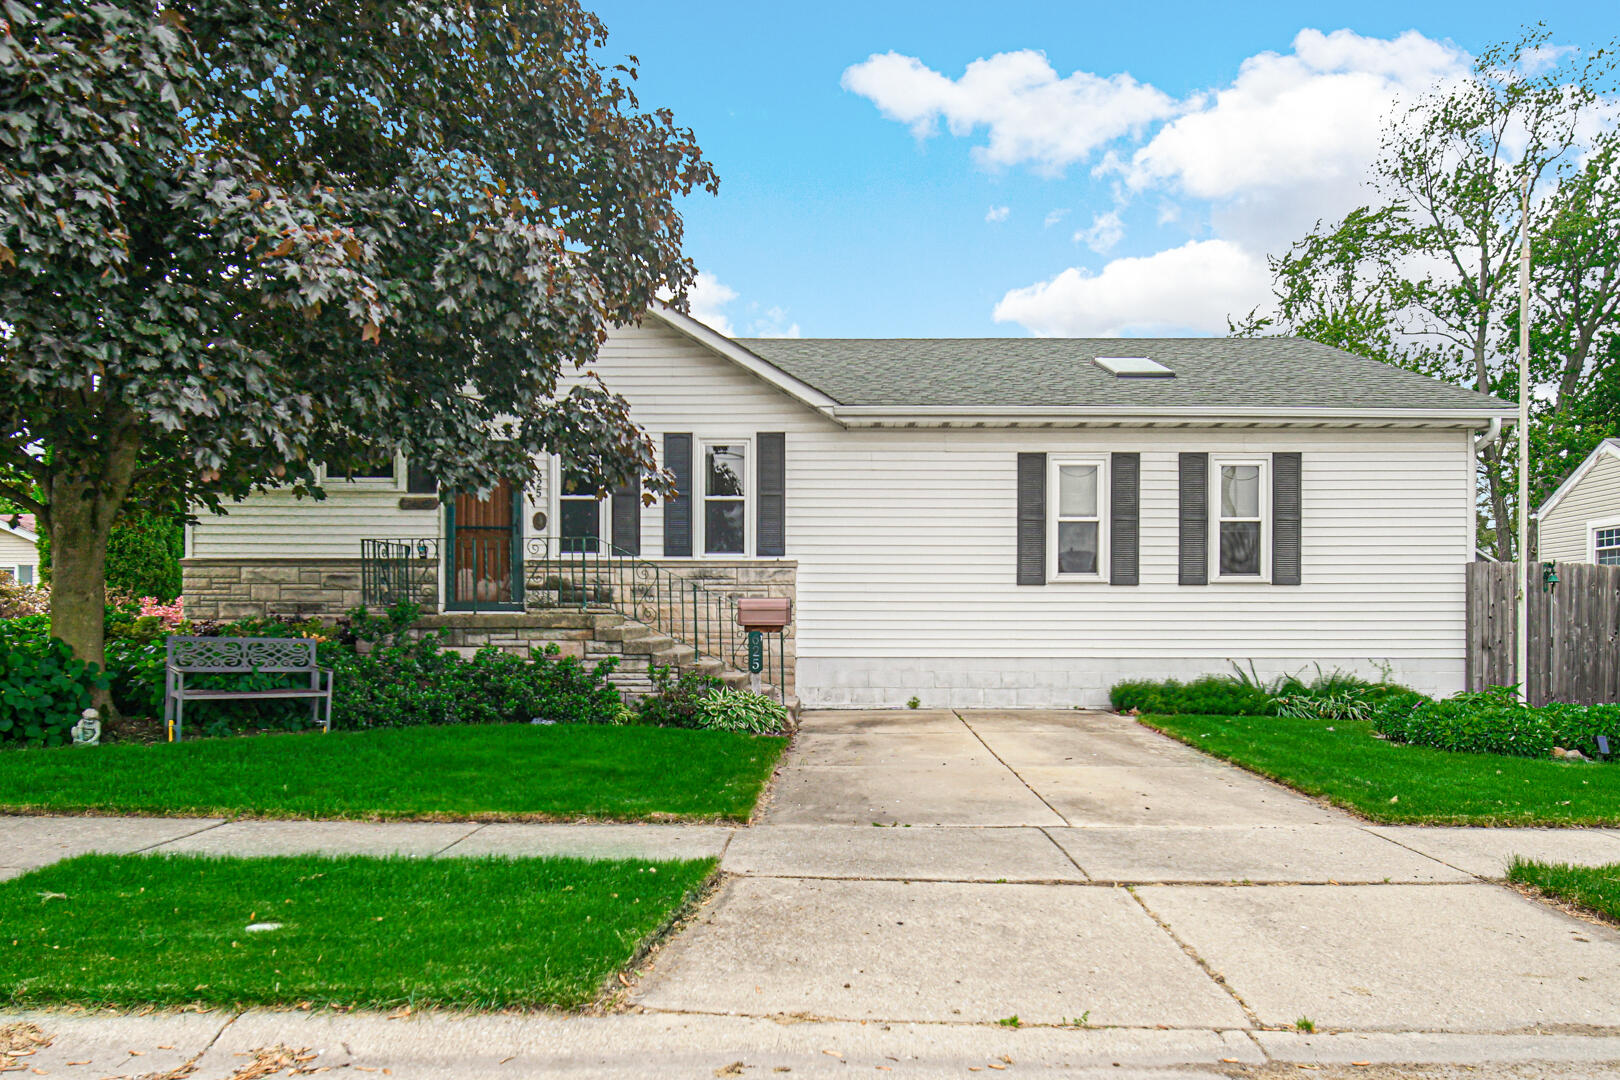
pixel 487 772
pixel 1341 761
pixel 1595 888
pixel 133 930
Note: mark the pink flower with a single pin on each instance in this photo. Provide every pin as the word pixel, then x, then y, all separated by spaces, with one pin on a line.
pixel 171 615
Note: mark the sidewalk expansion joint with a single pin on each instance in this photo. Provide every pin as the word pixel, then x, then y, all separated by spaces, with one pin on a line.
pixel 182 836
pixel 1203 965
pixel 480 827
pixel 1072 861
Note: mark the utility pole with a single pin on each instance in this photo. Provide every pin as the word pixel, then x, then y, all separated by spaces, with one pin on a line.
pixel 1522 593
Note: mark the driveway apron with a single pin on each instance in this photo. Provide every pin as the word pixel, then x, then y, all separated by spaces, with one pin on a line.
pixel 1075 867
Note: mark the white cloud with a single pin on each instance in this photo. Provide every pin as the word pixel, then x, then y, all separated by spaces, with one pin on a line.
pixel 1031 113
pixel 709 298
pixel 1189 289
pixel 997 214
pixel 1055 216
pixel 1104 232
pixel 1311 116
pixel 774 323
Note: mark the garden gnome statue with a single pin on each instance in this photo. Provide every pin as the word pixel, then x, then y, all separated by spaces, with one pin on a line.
pixel 87 732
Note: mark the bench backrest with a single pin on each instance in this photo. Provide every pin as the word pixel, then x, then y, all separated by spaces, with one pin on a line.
pixel 224 654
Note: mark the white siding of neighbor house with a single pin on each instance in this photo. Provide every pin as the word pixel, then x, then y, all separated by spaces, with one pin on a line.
pixel 905 540
pixel 15 551
pixel 1564 534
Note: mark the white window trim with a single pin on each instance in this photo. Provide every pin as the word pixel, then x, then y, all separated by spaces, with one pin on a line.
pixel 700 496
pixel 368 483
pixel 1215 464
pixel 1592 528
pixel 1053 463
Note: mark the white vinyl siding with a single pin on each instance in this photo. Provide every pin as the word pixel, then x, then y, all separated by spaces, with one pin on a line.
pixel 1565 534
pixel 19 558
pixel 905 545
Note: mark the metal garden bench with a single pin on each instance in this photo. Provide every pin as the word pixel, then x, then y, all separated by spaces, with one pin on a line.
pixel 242 656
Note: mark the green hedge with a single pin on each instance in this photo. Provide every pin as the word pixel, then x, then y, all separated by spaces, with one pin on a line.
pixel 1493 722
pixel 1211 695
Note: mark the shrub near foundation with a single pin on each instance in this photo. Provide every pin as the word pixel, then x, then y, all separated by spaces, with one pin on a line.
pixel 1493 722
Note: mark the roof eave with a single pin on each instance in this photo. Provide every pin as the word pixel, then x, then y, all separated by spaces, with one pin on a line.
pixel 928 415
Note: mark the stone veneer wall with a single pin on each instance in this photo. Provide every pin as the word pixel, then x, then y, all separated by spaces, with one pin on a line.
pixel 326 588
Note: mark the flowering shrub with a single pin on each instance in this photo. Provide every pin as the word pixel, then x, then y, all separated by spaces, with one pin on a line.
pixel 170 615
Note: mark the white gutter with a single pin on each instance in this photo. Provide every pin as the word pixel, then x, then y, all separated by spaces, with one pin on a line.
pixel 1492 433
pixel 913 414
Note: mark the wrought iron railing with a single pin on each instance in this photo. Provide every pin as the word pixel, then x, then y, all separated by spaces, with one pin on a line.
pixel 590 573
pixel 399 571
pixel 584 575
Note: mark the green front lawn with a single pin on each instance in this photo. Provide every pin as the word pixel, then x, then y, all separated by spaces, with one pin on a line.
pixel 133 930
pixel 1342 762
pixel 487 773
pixel 1595 888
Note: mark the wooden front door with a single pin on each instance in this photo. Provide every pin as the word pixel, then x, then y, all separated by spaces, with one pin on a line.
pixel 485 541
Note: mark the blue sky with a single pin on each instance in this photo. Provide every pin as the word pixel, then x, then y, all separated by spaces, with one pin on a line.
pixel 1109 169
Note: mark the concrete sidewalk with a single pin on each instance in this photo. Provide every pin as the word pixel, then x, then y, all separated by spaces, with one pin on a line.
pixel 919 877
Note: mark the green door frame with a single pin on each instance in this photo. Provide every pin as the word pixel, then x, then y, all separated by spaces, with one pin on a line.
pixel 456 603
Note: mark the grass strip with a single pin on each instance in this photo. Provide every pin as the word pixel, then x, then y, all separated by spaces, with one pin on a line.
pixel 1594 888
pixel 485 933
pixel 1342 762
pixel 505 772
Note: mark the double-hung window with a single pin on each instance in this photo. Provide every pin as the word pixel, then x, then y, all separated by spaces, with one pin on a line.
pixel 1606 545
pixel 725 498
pixel 579 514
pixel 1242 497
pixel 1077 512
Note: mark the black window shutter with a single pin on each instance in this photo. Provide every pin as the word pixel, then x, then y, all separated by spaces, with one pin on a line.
pixel 1286 515
pixel 626 513
pixel 678 507
pixel 1124 514
pixel 770 534
pixel 1032 519
pixel 419 480
pixel 1194 519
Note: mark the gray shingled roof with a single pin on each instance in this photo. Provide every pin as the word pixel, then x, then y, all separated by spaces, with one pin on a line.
pixel 1209 372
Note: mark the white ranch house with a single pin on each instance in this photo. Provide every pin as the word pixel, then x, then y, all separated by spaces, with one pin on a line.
pixel 1580 522
pixel 973 522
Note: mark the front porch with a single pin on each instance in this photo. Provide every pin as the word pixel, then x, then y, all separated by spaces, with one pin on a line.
pixel 591 604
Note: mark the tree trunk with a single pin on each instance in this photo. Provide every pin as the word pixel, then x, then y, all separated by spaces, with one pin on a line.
pixel 79 529
pixel 82 497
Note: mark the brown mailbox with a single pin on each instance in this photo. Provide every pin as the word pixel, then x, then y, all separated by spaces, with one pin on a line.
pixel 763 613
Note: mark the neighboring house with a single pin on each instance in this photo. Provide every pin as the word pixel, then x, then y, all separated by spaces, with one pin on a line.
pixel 1580 522
pixel 975 522
pixel 19 548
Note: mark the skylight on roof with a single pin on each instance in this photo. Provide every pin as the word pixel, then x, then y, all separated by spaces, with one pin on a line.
pixel 1134 367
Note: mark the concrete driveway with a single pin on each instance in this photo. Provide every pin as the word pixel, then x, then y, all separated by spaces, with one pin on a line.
pixel 932 867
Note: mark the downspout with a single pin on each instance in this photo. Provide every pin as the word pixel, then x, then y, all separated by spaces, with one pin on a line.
pixel 1492 433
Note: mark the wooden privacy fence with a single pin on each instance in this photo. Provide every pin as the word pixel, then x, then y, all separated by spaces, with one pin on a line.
pixel 1574 632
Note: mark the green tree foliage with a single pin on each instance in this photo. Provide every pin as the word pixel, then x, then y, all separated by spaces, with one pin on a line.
pixel 143 555
pixel 1426 277
pixel 232 232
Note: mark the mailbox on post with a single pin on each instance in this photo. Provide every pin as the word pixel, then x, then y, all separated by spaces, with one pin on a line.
pixel 761 616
